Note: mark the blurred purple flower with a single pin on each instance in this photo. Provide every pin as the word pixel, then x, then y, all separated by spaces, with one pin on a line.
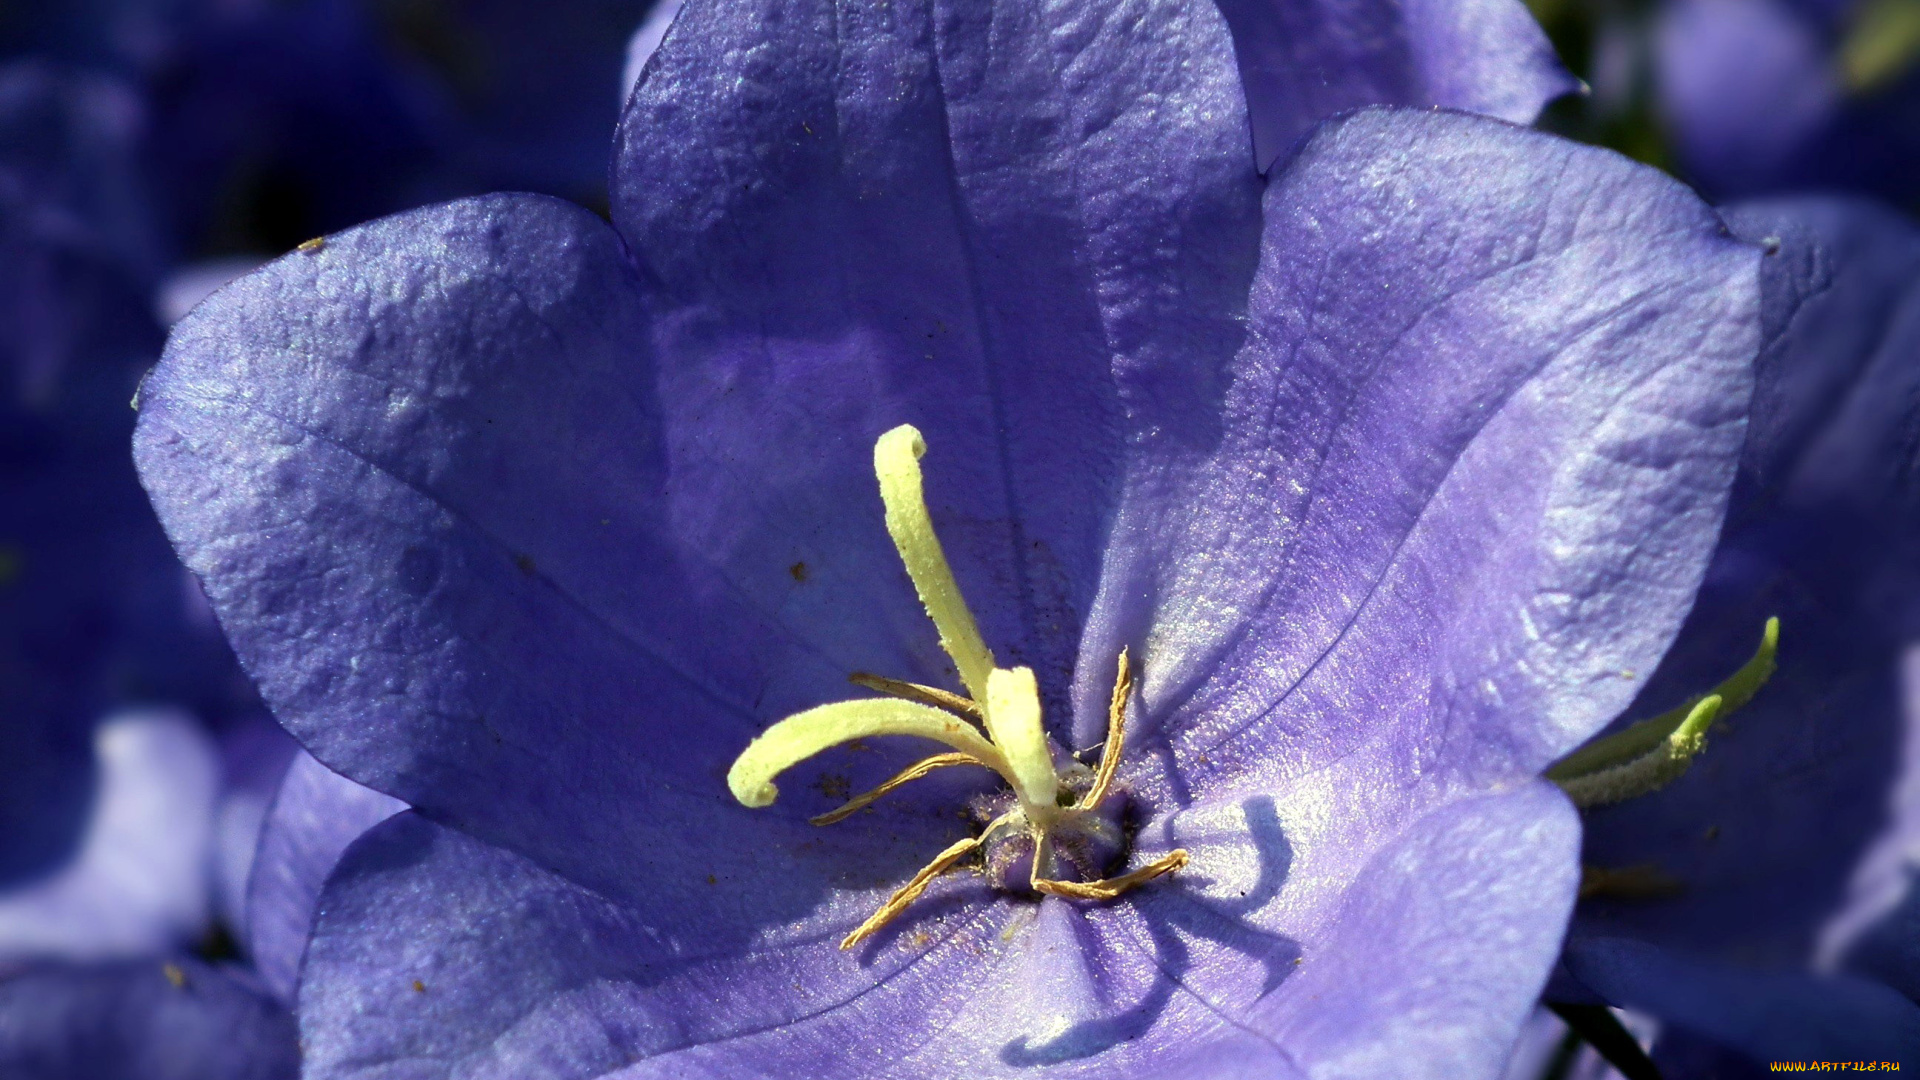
pixel 1764 96
pixel 93 982
pixel 136 882
pixel 91 596
pixel 267 122
pixel 107 827
pixel 143 1020
pixel 1738 926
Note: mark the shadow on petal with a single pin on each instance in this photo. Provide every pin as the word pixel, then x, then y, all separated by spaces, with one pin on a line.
pixel 1180 908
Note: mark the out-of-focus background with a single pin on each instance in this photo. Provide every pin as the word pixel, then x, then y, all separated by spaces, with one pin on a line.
pixel 151 150
pixel 1745 98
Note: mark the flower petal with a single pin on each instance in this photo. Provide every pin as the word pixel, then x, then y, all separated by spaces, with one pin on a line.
pixel 1439 948
pixel 484 964
pixel 1838 299
pixel 254 755
pixel 138 882
pixel 418 470
pixel 448 951
pixel 1770 1017
pixel 1809 785
pixel 963 217
pixel 1476 452
pixel 314 816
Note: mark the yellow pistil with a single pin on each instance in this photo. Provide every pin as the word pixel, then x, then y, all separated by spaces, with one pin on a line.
pixel 1003 701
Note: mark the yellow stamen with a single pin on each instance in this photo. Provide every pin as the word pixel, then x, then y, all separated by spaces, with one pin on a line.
pixel 912 772
pixel 1109 888
pixel 911 891
pixel 805 734
pixel 1116 736
pixel 925 695
pixel 896 460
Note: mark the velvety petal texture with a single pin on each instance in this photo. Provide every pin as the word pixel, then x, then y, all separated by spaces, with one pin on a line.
pixel 1793 835
pixel 314 815
pixel 143 1020
pixel 1305 60
pixel 1420 346
pixel 534 524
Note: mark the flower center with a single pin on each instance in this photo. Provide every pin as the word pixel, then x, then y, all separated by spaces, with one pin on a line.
pixel 1058 830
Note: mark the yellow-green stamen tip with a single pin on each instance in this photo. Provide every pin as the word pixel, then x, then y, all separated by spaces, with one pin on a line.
pixel 1651 771
pixel 1653 753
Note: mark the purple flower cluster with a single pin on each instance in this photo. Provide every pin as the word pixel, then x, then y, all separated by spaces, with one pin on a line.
pixel 1115 538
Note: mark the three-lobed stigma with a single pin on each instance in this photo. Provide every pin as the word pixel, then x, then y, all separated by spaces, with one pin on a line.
pixel 1056 819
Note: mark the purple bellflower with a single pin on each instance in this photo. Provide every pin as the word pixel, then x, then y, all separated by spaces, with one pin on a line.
pixel 1765 96
pixel 1300 63
pixel 1726 904
pixel 1387 479
pixel 76 336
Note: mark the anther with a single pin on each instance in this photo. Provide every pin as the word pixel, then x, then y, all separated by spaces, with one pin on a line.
pixel 1116 735
pixel 911 891
pixel 925 695
pixel 912 772
pixel 1114 886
